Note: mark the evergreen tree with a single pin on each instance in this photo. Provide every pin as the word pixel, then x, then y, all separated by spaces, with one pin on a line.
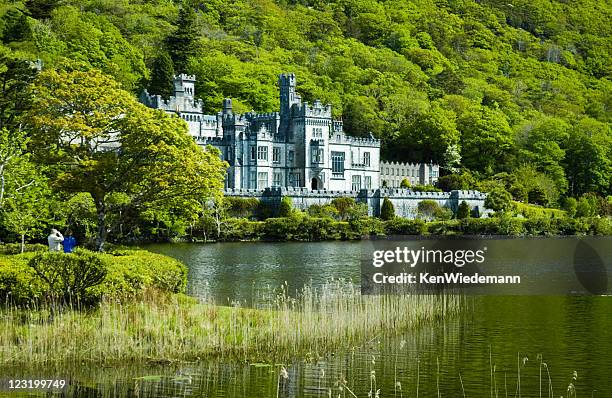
pixel 162 76
pixel 387 212
pixel 463 211
pixel 182 44
pixel 41 9
pixel 16 26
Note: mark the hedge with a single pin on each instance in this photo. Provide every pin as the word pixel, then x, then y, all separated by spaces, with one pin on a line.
pixel 126 274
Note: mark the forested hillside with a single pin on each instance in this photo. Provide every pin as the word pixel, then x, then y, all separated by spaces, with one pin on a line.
pixel 508 92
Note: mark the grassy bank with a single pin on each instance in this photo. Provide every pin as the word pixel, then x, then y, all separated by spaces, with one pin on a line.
pixel 161 327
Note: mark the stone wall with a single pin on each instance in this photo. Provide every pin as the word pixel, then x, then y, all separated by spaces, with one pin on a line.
pixel 405 201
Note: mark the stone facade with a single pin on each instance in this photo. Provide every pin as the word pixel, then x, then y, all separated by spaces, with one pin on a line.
pixel 393 173
pixel 405 201
pixel 300 146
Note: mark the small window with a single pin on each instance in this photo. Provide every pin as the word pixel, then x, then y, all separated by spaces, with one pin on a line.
pixel 356 183
pixel 290 156
pixel 276 154
pixel 253 179
pixel 253 152
pixel 366 159
pixel 368 182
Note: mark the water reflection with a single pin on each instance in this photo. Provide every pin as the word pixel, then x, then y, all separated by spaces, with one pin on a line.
pixel 480 352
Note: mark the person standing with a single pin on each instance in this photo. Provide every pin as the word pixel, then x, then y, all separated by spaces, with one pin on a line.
pixel 69 242
pixel 55 240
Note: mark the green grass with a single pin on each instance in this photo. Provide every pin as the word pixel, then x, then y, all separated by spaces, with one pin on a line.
pixel 162 327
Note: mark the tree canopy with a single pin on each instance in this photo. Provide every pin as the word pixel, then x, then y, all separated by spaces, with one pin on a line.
pixel 101 141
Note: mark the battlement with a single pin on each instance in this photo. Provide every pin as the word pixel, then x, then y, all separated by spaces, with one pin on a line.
pixel 185 77
pixel 400 164
pixel 315 110
pixel 357 141
pixel 287 79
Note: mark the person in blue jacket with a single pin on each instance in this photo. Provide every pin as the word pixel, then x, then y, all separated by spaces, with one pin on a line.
pixel 69 242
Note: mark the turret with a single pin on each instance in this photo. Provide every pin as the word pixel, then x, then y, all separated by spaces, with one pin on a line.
pixel 227 106
pixel 184 85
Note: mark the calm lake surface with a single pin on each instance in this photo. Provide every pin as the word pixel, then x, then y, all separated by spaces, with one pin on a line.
pixel 480 352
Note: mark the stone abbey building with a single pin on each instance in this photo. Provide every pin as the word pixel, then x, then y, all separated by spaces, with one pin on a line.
pixel 298 146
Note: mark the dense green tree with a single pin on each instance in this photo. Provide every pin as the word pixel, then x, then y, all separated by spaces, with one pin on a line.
pixel 183 42
pixel 103 142
pixel 405 183
pixel 162 76
pixel 16 26
pixel 589 157
pixel 41 9
pixel 486 140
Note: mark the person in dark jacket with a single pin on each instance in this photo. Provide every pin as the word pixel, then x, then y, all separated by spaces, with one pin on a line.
pixel 69 242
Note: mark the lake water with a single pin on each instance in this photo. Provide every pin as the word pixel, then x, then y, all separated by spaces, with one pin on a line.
pixel 479 354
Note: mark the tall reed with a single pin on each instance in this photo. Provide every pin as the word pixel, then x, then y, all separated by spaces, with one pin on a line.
pixel 172 327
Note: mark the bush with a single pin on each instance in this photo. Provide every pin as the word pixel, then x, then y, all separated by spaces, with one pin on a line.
pixel 442 228
pixel 237 229
pixel 285 208
pixel 498 199
pixel 68 276
pixel 387 211
pixel 19 283
pixel 430 210
pixel 405 183
pixel 463 211
pixel 537 196
pixel 241 207
pixel 533 211
pixel 404 226
pixel 15 248
pixel 76 276
pixel 570 205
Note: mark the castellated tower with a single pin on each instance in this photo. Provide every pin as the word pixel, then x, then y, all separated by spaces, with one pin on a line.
pixel 288 97
pixel 184 85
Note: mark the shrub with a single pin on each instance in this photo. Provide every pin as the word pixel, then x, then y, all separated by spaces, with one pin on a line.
pixel 69 276
pixel 569 205
pixel 387 211
pixel 403 226
pixel 429 210
pixel 405 183
pixel 76 276
pixel 19 283
pixel 241 207
pixel 519 193
pixel 498 199
pixel 286 207
pixel 442 228
pixel 236 229
pixel 15 248
pixel 537 196
pixel 367 226
pixel 463 211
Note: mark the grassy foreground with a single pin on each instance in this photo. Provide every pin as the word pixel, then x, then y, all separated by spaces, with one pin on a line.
pixel 162 327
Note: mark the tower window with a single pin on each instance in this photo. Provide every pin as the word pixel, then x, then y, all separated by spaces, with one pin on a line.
pixel 262 153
